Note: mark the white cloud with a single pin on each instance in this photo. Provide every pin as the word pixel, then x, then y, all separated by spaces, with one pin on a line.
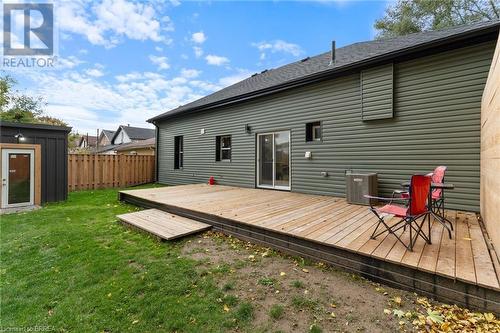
pixel 198 51
pixel 277 46
pixel 67 63
pixel 94 72
pixel 128 77
pixel 190 73
pixel 198 37
pixel 110 21
pixel 87 103
pixel 216 60
pixel 161 62
pixel 158 49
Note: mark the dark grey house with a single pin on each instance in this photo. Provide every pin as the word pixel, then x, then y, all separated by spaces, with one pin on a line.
pixel 397 107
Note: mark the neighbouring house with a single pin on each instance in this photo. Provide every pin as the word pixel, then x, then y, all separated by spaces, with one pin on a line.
pixel 105 138
pixel 396 106
pixel 34 160
pixel 143 147
pixel 87 142
pixel 126 134
pixel 127 140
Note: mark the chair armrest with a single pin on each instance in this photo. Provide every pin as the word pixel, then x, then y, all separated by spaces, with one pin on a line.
pixel 385 199
pixel 399 191
pixel 390 200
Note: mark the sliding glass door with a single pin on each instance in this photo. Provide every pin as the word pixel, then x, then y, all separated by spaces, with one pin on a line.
pixel 273 160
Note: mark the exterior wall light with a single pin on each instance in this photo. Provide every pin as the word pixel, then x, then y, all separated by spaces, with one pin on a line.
pixel 19 137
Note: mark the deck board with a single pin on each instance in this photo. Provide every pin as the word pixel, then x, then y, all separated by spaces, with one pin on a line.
pixel 162 224
pixel 333 222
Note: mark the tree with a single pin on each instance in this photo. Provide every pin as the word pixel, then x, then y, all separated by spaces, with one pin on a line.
pixel 16 106
pixel 409 16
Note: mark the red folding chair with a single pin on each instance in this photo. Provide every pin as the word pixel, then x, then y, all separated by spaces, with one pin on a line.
pixel 438 194
pixel 415 209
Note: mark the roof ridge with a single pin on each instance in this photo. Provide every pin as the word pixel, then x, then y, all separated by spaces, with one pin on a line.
pixel 349 56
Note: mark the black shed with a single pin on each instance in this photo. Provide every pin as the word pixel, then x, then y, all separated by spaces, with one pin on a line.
pixel 34 162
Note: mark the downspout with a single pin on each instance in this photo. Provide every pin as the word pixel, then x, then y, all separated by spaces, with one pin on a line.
pixel 157 132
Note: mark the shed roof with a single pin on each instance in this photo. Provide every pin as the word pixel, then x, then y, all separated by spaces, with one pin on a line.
pixel 320 67
pixel 35 126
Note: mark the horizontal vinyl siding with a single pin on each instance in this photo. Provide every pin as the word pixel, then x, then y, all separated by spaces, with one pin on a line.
pixel 436 121
pixel 377 86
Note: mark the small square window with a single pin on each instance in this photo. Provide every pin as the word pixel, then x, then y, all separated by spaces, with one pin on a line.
pixel 223 148
pixel 313 131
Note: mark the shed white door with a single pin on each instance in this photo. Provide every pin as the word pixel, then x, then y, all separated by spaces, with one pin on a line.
pixel 18 181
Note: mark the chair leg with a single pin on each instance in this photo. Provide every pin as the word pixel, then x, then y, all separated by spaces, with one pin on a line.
pixel 380 220
pixel 411 240
pixel 429 228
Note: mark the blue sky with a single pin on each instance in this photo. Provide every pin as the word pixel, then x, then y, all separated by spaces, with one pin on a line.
pixel 121 62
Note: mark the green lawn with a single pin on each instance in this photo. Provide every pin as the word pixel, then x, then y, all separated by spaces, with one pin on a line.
pixel 72 267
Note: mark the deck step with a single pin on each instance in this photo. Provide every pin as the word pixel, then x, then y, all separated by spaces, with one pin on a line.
pixel 165 225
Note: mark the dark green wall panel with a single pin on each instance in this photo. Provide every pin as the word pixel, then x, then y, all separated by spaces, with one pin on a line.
pixel 377 87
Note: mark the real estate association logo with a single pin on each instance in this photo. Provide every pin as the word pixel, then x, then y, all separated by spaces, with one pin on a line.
pixel 29 36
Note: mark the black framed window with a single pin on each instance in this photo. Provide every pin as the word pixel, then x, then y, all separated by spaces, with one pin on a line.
pixel 313 131
pixel 178 152
pixel 223 148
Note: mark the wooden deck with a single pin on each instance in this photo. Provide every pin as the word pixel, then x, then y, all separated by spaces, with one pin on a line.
pixel 162 224
pixel 304 223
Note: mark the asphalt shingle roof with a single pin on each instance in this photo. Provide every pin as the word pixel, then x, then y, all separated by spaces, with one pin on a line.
pixel 141 144
pixel 348 56
pixel 138 133
pixel 109 134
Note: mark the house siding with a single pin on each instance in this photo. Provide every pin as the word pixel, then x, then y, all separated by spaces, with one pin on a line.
pixel 437 101
pixel 377 92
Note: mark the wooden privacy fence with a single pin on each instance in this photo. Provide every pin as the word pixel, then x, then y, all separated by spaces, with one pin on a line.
pixel 87 172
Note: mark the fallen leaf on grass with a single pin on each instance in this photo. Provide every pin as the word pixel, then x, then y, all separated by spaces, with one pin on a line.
pixel 135 322
pixel 489 317
pixel 387 311
pixel 226 308
pixel 434 316
pixel 398 313
pixel 282 274
pixel 305 270
pixel 397 300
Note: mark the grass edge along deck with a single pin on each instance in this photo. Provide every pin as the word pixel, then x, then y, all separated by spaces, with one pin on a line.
pixel 162 224
pixel 391 272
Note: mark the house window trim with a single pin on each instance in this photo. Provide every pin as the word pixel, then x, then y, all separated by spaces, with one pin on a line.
pixel 313 125
pixel 313 132
pixel 220 149
pixel 179 154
